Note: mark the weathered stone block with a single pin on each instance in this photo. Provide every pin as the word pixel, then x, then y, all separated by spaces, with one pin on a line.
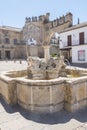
pixel 58 94
pixel 41 95
pixel 24 93
pixel 8 90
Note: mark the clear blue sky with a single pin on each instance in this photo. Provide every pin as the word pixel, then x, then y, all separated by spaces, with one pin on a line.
pixel 13 12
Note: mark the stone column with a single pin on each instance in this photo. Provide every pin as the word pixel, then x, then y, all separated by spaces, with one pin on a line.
pixel 46 52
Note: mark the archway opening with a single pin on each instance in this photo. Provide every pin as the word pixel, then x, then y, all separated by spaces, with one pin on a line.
pixel 55 39
pixel 54 42
pixel 32 41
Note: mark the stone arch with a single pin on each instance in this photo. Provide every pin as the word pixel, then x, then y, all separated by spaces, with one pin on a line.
pixel 54 38
pixel 54 43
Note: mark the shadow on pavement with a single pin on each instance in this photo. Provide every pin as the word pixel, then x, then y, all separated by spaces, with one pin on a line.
pixel 55 118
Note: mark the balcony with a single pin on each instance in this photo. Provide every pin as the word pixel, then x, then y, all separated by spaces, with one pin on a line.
pixel 74 43
pixel 20 43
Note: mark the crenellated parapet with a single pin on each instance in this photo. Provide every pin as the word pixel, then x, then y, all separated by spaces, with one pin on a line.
pixel 43 18
pixel 27 19
pixel 61 20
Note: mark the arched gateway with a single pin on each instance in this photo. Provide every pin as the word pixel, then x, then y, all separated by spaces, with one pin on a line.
pixel 43 31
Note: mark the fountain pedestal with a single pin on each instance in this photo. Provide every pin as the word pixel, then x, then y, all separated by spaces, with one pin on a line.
pixel 39 69
pixel 46 53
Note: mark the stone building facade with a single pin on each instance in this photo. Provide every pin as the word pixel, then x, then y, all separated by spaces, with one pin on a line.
pixel 9 38
pixel 14 42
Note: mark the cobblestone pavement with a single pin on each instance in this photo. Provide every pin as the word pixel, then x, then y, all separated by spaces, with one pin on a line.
pixel 16 118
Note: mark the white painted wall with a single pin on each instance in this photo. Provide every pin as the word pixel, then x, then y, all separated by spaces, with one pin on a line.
pixel 75 50
pixel 75 36
pixel 75 41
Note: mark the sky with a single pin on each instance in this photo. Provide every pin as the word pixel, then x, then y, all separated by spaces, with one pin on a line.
pixel 14 12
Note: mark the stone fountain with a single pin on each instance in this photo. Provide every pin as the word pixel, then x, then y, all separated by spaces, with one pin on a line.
pixel 44 69
pixel 46 86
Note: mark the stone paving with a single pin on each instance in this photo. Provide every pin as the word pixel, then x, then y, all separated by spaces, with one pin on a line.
pixel 12 65
pixel 16 118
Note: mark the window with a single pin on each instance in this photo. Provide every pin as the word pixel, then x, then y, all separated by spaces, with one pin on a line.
pixel 81 38
pixel 81 55
pixel 7 40
pixel 15 41
pixel 69 40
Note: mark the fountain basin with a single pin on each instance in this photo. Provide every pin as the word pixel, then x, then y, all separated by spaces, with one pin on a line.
pixel 41 95
pixel 33 95
pixel 44 96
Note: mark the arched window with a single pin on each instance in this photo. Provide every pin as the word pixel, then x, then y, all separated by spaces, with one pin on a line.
pixel 31 41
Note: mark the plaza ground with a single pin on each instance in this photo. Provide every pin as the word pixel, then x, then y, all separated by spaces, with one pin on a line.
pixel 13 65
pixel 16 118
